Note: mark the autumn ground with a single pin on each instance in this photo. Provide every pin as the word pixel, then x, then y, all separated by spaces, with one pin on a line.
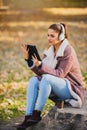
pixel 17 27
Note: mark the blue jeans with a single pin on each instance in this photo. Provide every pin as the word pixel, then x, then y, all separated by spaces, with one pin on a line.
pixel 39 91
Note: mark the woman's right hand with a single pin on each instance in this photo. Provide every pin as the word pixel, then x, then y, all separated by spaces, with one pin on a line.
pixel 25 51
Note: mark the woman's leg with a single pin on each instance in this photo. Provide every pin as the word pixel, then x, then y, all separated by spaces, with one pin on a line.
pixel 44 92
pixel 51 83
pixel 38 98
pixel 32 93
pixel 59 86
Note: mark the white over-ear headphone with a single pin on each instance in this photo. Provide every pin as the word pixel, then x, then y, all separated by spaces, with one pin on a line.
pixel 62 34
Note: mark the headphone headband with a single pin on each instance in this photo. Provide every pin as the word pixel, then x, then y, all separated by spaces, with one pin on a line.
pixel 62 34
pixel 63 29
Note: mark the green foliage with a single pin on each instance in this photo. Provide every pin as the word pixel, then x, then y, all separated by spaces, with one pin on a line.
pixel 85 79
pixel 85 76
pixel 13 100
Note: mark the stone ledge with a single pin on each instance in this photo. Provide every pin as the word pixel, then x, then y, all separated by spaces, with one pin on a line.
pixel 82 110
pixel 62 119
pixel 57 119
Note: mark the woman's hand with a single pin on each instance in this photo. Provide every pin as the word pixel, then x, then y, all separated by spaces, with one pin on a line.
pixel 25 51
pixel 36 61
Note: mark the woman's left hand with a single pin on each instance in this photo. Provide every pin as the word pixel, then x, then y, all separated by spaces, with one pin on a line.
pixel 36 61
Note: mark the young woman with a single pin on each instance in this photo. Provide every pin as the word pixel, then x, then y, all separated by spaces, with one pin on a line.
pixel 58 72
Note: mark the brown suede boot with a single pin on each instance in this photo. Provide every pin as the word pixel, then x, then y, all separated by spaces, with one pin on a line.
pixel 35 118
pixel 23 125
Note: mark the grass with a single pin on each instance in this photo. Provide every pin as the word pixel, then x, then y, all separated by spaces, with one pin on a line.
pixel 13 101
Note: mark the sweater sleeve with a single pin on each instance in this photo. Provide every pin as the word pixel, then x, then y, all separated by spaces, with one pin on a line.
pixel 32 66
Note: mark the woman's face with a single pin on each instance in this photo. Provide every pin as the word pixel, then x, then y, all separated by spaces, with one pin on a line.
pixel 52 37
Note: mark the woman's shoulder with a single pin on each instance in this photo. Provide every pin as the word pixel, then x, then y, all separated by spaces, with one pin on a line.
pixel 69 50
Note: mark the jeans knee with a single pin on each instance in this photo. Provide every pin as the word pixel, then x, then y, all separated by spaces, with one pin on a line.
pixel 45 77
pixel 44 80
pixel 45 85
pixel 33 81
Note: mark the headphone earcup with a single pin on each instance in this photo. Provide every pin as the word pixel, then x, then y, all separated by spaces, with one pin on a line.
pixel 61 36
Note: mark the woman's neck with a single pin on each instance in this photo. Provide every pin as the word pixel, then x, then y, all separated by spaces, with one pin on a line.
pixel 56 46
